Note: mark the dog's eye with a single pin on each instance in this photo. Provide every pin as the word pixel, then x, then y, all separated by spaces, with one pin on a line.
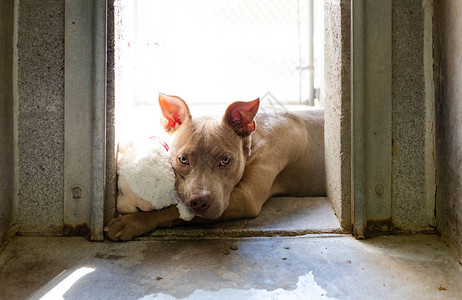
pixel 183 160
pixel 224 161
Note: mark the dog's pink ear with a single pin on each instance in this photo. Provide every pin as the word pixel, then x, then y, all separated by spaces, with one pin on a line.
pixel 174 110
pixel 240 116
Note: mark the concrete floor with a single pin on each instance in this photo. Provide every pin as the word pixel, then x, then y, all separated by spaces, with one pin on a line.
pixel 284 216
pixel 304 267
pixel 293 250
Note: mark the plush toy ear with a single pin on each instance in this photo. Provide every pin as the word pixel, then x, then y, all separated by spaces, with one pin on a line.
pixel 174 110
pixel 240 116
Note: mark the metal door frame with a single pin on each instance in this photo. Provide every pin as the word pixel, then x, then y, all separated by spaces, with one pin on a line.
pixel 371 120
pixel 85 117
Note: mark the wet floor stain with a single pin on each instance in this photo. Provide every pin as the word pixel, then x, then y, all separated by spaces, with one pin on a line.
pixel 307 288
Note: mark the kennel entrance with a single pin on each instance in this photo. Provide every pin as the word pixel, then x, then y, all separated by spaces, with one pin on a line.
pixel 116 90
pixel 214 53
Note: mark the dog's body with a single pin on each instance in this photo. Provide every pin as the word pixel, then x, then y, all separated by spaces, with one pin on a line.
pixel 227 169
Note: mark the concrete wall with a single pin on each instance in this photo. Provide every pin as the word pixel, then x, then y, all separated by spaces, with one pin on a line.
pixel 40 115
pixel 337 107
pixel 413 177
pixel 6 118
pixel 115 34
pixel 448 49
pixel 412 162
pixel 111 148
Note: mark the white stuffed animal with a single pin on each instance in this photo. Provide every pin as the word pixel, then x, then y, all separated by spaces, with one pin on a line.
pixel 146 179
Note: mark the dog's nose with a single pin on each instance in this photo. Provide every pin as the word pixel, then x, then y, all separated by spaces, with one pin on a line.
pixel 200 203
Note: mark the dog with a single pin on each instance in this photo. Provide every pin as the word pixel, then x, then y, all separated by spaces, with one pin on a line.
pixel 227 168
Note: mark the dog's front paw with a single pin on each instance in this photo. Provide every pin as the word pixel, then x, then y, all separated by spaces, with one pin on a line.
pixel 125 228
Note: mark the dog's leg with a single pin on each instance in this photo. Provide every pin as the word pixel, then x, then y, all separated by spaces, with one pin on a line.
pixel 251 193
pixel 246 201
pixel 126 227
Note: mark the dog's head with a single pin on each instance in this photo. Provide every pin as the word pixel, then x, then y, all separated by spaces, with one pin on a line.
pixel 208 155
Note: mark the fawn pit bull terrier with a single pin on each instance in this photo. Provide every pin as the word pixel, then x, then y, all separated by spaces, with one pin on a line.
pixel 227 168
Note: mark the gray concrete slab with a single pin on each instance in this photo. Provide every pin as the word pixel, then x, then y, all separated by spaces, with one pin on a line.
pixel 337 114
pixel 285 216
pixel 40 123
pixel 448 123
pixel 412 168
pixel 312 266
pixel 7 143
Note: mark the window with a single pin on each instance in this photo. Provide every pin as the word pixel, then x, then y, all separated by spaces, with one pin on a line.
pixel 216 52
